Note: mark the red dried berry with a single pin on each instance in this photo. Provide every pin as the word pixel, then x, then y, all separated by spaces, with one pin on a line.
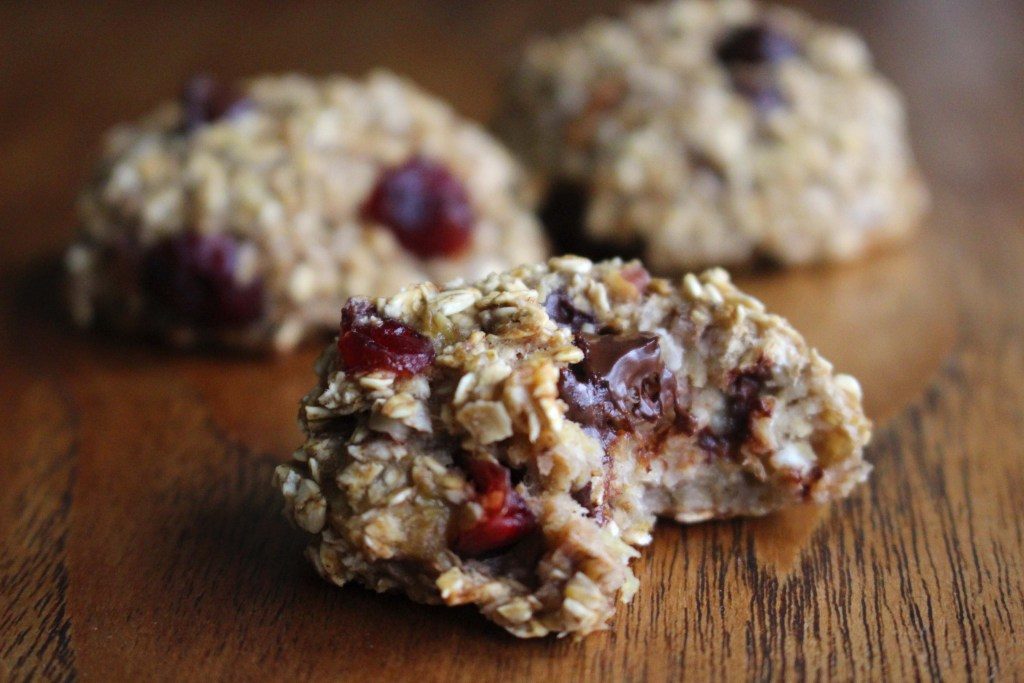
pixel 191 278
pixel 426 207
pixel 506 517
pixel 368 342
pixel 637 275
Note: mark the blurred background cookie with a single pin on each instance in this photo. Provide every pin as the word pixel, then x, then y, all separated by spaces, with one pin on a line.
pixel 246 215
pixel 695 132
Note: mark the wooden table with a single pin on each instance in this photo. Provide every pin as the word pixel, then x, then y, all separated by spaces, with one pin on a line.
pixel 140 535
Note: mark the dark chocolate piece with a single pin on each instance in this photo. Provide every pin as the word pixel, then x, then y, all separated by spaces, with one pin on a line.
pixel 755 44
pixel 744 402
pixel 205 100
pixel 561 309
pixel 620 383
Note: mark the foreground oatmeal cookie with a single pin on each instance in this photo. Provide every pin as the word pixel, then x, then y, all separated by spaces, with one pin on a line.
pixel 247 216
pixel 509 443
pixel 713 133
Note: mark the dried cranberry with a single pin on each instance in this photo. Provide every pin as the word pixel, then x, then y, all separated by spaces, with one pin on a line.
pixel 588 402
pixel 631 368
pixel 620 382
pixel 560 308
pixel 426 207
pixel 191 278
pixel 368 342
pixel 755 44
pixel 205 100
pixel 506 517
pixel 637 275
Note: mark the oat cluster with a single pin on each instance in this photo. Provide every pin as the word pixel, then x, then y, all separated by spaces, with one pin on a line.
pixel 754 420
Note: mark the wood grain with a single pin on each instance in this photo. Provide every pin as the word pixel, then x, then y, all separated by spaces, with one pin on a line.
pixel 141 538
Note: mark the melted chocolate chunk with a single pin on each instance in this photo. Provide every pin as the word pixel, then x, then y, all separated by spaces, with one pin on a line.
pixel 561 309
pixel 631 367
pixel 588 402
pixel 718 446
pixel 619 384
pixel 686 422
pixel 744 402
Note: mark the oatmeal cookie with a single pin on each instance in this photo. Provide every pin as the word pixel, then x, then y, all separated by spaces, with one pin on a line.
pixel 246 216
pixel 510 443
pixel 699 132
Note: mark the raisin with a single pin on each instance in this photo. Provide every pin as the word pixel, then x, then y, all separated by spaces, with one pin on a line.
pixel 191 278
pixel 425 206
pixel 620 383
pixel 369 342
pixel 506 518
